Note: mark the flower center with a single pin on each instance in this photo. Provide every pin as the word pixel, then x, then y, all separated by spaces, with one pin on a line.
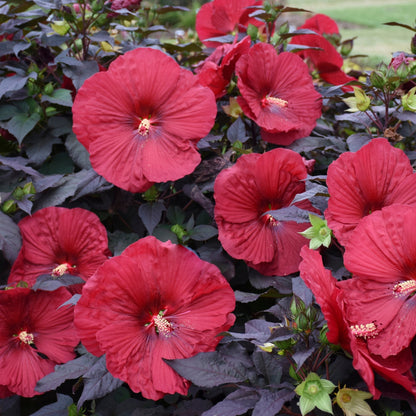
pixel 270 220
pixel 364 330
pixel 162 325
pixel 269 100
pixel 345 398
pixel 407 288
pixel 60 270
pixel 144 127
pixel 25 338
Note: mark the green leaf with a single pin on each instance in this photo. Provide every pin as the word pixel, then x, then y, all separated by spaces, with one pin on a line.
pixel 22 124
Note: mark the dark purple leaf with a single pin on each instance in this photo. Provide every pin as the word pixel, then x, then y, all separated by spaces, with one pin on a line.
pixel 20 46
pixel 209 369
pixel 49 4
pixel 152 411
pixel 256 330
pixel 271 402
pixel 193 192
pixel 167 9
pixel 60 407
pixel 302 291
pixel 358 117
pixel 203 232
pixel 215 255
pixel 357 141
pixel 13 83
pixel 244 297
pixel 194 407
pixel 78 71
pixel 237 131
pixel 236 403
pixel 222 39
pixel 282 284
pixel 405 116
pixel 301 356
pixel 269 366
pixel 10 239
pixel 60 96
pixel 71 302
pixel 77 151
pixel 98 382
pixel 150 214
pixel 298 32
pixel 25 204
pixel 21 124
pixel 48 282
pixel 90 182
pixel 291 213
pixel 311 192
pixel 46 182
pixel 118 241
pixel 18 164
pixel 39 150
pixel 68 371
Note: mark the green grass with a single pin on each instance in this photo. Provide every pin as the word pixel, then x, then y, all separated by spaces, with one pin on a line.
pixel 364 19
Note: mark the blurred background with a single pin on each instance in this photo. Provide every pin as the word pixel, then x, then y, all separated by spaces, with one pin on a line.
pixel 362 19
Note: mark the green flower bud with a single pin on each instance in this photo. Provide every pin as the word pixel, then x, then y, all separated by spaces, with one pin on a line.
pixel 151 195
pixel 32 87
pixel 50 111
pixel 179 231
pixel 377 79
pixel 18 193
pixel 252 31
pixel 409 100
pixel 9 207
pixel 362 100
pixel 346 47
pixel 413 44
pixel 48 88
pixel 29 189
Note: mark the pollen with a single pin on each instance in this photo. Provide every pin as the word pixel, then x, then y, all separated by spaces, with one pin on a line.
pixel 162 325
pixel 406 288
pixel 364 330
pixel 268 100
pixel 60 270
pixel 144 127
pixel 25 337
pixel 270 220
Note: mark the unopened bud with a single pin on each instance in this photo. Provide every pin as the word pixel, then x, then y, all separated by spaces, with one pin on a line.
pixel 413 44
pixel 377 79
pixel 346 47
pixel 9 207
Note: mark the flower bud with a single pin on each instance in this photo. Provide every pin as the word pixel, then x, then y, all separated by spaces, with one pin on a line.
pixel 9 207
pixel 409 100
pixel 413 44
pixel 362 100
pixel 377 79
pixel 346 47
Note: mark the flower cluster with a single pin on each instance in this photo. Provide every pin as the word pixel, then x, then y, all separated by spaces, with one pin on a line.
pixel 158 198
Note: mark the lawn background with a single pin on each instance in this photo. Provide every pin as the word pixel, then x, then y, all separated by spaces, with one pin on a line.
pixel 364 19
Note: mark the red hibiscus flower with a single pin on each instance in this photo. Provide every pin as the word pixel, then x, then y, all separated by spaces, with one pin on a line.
pixel 277 92
pixel 351 334
pixel 155 301
pixel 326 60
pixel 59 241
pixel 245 193
pixel 217 70
pixel 381 254
pixel 125 4
pixel 360 183
pixel 140 121
pixel 35 335
pixel 222 17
